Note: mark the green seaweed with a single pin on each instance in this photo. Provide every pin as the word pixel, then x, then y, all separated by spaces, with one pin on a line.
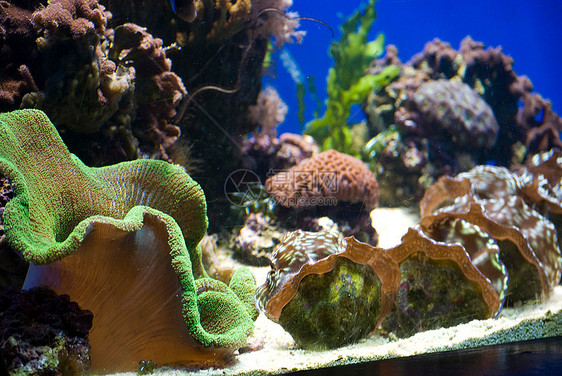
pixel 348 84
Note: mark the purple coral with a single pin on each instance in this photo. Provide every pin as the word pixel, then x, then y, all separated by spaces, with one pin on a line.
pixel 43 334
pixel 487 111
pixel 455 108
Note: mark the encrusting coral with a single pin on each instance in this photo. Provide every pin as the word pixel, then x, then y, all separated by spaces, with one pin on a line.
pixel 157 89
pixel 122 241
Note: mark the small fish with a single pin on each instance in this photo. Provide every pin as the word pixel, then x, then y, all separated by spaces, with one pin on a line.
pixel 185 9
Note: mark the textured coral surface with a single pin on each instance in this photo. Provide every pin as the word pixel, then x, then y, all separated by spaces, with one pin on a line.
pixel 330 174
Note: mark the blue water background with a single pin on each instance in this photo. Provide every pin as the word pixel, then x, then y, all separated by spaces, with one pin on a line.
pixel 528 31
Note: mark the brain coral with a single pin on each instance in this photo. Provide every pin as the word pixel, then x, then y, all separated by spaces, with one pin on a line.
pixel 121 241
pixel 328 175
pixel 458 110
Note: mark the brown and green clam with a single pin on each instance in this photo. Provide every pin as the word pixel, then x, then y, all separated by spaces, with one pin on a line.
pixel 439 286
pixel 484 240
pixel 327 291
pixel 494 199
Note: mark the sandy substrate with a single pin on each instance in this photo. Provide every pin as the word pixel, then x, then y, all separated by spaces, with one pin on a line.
pixel 280 354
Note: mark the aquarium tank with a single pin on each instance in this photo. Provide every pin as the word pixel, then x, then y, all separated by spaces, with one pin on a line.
pixel 259 187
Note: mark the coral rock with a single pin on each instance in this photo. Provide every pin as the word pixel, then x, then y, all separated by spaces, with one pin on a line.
pixel 43 334
pixel 459 111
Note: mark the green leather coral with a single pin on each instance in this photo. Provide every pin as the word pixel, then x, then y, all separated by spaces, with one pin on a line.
pixel 122 242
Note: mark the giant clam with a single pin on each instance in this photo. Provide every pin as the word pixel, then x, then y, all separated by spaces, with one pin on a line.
pixel 439 286
pixel 327 291
pixel 481 243
pixel 494 199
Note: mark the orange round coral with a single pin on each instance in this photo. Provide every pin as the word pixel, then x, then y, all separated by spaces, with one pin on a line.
pixel 330 175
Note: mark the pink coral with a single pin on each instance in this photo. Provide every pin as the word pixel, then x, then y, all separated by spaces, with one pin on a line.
pixel 75 17
pixel 269 112
pixel 282 25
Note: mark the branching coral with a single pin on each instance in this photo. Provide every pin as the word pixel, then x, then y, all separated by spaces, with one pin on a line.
pixel 273 19
pixel 269 112
pixel 130 229
pixel 157 90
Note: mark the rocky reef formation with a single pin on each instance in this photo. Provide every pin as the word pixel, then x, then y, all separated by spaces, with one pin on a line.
pixel 43 334
pixel 219 56
pixel 108 86
pixel 449 110
pixel 109 106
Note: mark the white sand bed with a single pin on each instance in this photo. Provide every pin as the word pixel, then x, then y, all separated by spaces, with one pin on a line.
pixel 279 353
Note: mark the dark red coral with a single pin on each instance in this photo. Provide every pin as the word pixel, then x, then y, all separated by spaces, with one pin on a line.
pixel 158 90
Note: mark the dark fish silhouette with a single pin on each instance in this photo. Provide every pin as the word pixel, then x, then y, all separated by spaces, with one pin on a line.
pixel 185 9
